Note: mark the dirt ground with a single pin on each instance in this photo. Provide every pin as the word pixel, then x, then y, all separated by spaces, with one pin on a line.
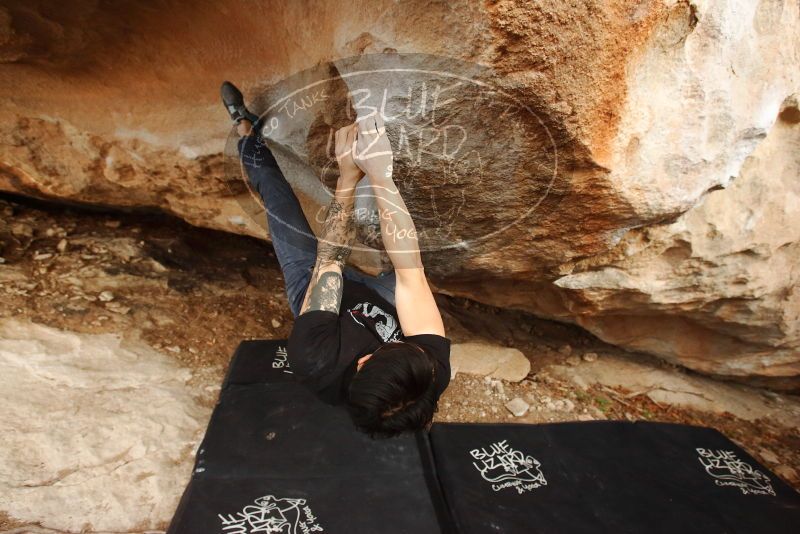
pixel 195 294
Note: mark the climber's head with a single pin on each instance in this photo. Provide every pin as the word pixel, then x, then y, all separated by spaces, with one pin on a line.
pixel 394 390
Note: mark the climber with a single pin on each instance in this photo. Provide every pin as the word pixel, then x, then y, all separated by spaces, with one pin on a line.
pixel 373 343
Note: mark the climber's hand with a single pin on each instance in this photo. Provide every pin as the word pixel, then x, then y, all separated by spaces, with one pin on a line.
pixel 373 153
pixel 345 141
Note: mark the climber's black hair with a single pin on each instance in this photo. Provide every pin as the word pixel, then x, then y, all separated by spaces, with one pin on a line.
pixel 395 390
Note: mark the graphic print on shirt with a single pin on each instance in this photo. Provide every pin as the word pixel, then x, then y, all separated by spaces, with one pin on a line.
pixel 384 323
pixel 728 470
pixel 506 467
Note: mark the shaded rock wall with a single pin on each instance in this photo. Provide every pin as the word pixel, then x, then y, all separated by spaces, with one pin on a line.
pixel 669 227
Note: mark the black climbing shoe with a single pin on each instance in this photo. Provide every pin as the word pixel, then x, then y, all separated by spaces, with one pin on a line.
pixel 234 103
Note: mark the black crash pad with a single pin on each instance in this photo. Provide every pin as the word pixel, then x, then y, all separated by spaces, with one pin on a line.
pixel 275 459
pixel 602 476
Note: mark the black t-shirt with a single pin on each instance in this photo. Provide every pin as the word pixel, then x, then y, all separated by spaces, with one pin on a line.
pixel 324 347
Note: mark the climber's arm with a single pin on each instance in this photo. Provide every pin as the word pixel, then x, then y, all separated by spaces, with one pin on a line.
pixel 416 307
pixel 333 245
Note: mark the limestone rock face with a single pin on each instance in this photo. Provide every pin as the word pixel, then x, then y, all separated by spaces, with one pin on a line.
pixel 645 186
pixel 717 289
pixel 83 417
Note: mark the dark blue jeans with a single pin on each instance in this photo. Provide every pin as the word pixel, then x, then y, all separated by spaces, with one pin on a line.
pixel 294 242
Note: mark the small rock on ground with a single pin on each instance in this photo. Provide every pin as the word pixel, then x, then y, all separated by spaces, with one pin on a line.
pixel 590 357
pixel 483 359
pixel 517 407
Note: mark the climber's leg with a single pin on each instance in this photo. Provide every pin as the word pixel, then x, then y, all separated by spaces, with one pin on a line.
pixel 294 242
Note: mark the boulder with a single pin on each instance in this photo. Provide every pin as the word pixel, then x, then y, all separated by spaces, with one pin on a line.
pixel 624 166
pixel 98 433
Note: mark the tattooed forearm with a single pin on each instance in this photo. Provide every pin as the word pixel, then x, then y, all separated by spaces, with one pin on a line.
pixel 326 294
pixel 337 234
pixel 326 285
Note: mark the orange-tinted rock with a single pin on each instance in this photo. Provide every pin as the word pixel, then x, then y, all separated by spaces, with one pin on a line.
pixel 656 233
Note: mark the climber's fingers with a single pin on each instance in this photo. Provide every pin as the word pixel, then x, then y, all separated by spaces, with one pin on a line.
pixel 367 126
pixel 347 137
pixel 353 138
pixel 343 141
pixel 379 125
